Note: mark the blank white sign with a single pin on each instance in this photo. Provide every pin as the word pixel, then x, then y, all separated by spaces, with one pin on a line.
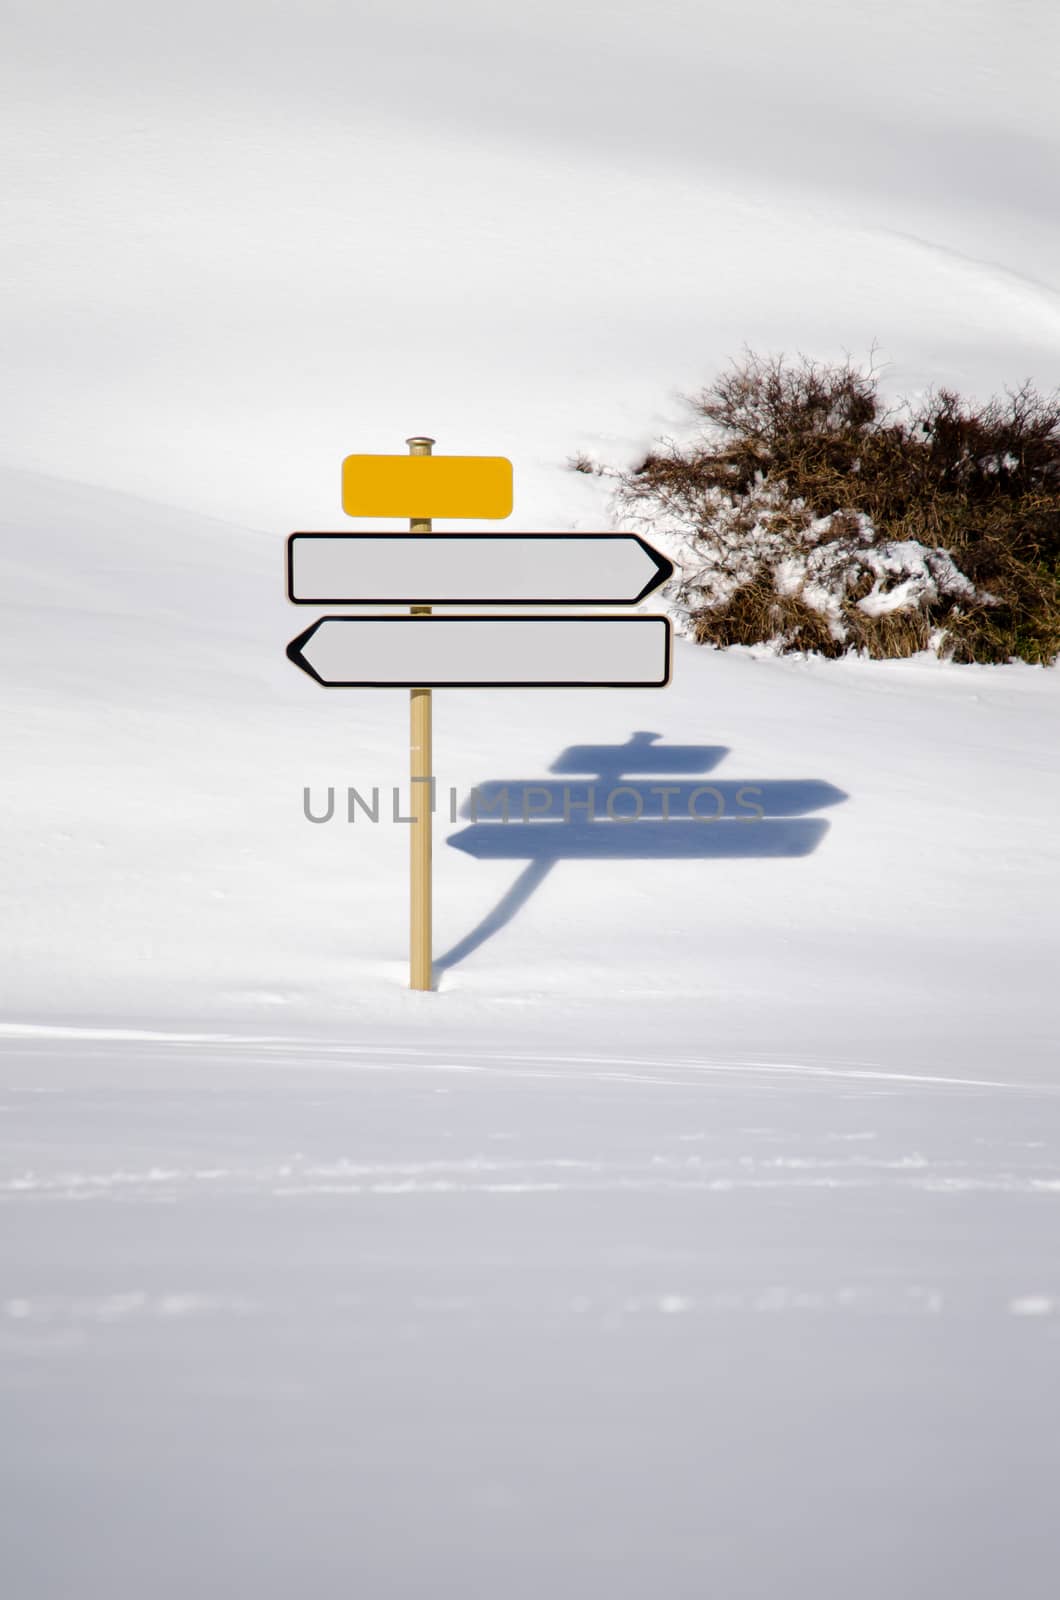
pixel 470 652
pixel 472 569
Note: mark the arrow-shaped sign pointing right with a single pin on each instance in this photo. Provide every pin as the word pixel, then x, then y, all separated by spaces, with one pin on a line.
pixel 467 569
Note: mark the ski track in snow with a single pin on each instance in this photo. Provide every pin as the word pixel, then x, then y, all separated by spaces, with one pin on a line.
pixel 50 1314
pixel 469 1059
pixel 549 1176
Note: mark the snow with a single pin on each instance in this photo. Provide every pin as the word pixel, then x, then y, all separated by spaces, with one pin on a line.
pixel 406 1318
pixel 699 1234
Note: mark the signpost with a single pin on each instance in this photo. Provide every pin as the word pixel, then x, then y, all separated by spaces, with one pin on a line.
pixel 421 652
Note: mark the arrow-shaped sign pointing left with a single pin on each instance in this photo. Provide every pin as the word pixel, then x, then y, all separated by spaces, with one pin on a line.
pixel 457 652
pixel 467 569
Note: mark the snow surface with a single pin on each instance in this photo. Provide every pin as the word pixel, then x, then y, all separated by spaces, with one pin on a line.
pixel 699 1235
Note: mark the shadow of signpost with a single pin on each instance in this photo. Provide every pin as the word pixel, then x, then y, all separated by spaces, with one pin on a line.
pixel 606 816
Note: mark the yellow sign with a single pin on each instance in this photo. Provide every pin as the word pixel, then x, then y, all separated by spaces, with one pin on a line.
pixel 427 486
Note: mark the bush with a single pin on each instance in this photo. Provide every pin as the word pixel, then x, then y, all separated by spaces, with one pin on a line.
pixel 807 515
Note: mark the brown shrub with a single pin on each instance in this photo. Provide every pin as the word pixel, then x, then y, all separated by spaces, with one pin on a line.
pixel 856 489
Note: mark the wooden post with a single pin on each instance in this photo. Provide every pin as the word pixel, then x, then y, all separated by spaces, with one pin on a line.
pixel 421 773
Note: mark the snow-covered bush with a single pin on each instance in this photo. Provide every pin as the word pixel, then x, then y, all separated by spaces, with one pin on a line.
pixel 806 515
